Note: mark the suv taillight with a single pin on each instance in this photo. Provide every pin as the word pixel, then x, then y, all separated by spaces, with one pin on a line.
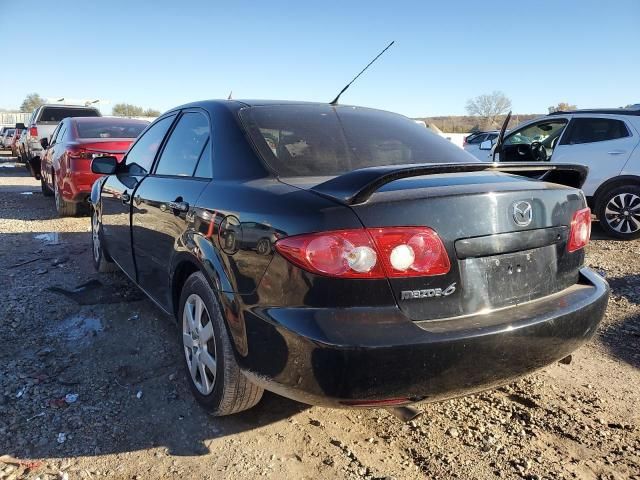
pixel 33 131
pixel 368 253
pixel 580 230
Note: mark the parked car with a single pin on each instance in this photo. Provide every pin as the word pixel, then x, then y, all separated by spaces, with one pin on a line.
pixel 397 273
pixel 607 141
pixel 43 122
pixel 65 168
pixel 7 137
pixel 22 152
pixel 472 143
pixel 14 142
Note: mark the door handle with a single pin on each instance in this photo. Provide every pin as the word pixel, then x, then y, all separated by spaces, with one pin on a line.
pixel 125 197
pixel 616 152
pixel 178 206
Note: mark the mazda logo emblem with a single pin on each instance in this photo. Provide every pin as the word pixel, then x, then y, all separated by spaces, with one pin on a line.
pixel 522 213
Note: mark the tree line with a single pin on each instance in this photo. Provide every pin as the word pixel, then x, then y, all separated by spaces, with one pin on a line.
pixel 34 100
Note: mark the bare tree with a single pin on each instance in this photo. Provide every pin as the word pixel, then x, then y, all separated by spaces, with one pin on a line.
pixel 562 107
pixel 489 107
pixel 31 102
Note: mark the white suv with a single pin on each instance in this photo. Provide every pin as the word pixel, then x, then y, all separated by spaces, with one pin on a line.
pixel 607 141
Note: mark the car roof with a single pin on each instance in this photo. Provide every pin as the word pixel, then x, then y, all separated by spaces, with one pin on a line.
pixel 608 111
pixel 237 104
pixel 62 105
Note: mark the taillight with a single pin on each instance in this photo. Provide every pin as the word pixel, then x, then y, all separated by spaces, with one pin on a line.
pixel 580 230
pixel 340 253
pixel 411 251
pixel 33 131
pixel 80 153
pixel 368 253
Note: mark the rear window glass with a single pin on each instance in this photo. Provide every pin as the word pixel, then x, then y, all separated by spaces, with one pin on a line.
pixel 322 140
pixel 109 129
pixel 57 114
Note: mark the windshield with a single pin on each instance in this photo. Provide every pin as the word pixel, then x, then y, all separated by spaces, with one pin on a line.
pixel 57 114
pixel 108 128
pixel 322 140
pixel 544 132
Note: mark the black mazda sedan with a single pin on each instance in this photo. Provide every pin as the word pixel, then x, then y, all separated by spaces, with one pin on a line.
pixel 345 256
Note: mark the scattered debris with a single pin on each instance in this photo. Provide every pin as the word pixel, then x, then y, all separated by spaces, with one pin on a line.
pixel 139 394
pixel 62 437
pixel 71 398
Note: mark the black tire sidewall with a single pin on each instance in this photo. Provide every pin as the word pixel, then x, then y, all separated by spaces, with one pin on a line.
pixel 602 205
pixel 197 284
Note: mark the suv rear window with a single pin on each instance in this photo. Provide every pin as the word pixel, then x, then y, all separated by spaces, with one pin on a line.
pixel 55 115
pixel 323 140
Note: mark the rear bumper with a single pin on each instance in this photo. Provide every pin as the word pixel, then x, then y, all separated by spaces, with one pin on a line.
pixel 77 186
pixel 343 356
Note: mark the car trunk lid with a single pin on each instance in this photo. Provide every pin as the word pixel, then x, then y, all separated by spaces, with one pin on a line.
pixel 496 260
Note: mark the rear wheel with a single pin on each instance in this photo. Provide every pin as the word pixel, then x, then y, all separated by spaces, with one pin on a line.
pixel 214 376
pixel 619 212
pixel 64 208
pixel 101 260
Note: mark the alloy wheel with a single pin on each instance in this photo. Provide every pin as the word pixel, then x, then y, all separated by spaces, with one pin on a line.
pixel 623 213
pixel 199 344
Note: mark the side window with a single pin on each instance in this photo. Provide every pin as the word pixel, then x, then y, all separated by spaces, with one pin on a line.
pixel 61 133
pixel 589 130
pixel 54 135
pixel 140 158
pixel 181 153
pixel 204 168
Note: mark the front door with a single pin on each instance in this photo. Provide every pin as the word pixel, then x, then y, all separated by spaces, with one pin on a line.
pixel 163 207
pixel 118 190
pixel 603 144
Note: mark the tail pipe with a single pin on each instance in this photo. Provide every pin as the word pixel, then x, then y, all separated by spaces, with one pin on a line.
pixel 405 413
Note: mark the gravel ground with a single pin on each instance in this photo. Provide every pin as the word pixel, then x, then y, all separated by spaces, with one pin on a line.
pixel 91 386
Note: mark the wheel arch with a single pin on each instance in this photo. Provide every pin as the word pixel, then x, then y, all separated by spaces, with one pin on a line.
pixel 186 263
pixel 612 183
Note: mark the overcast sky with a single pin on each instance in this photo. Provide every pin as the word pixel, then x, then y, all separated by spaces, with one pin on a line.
pixel 538 53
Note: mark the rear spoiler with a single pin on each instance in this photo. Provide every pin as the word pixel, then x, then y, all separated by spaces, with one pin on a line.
pixel 358 185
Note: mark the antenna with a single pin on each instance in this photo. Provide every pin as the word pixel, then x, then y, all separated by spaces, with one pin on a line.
pixel 335 100
pixel 229 97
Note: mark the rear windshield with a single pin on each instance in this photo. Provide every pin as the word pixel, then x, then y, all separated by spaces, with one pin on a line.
pixel 57 114
pixel 109 129
pixel 319 140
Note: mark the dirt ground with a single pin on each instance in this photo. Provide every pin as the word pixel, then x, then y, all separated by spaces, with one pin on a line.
pixel 91 386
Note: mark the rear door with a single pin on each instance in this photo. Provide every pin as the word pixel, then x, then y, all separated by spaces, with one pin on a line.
pixel 118 190
pixel 602 143
pixel 163 208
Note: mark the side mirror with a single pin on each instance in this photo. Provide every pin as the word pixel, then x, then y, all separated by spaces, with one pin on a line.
pixel 44 142
pixel 20 126
pixel 486 145
pixel 106 165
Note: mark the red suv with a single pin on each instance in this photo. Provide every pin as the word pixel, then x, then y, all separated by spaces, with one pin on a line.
pixel 66 163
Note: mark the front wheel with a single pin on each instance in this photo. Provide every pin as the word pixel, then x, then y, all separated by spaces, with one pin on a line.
pixel 46 191
pixel 619 212
pixel 214 376
pixel 101 260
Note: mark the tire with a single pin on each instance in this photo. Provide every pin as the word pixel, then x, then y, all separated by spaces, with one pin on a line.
pixel 619 212
pixel 101 260
pixel 64 208
pixel 46 191
pixel 227 390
